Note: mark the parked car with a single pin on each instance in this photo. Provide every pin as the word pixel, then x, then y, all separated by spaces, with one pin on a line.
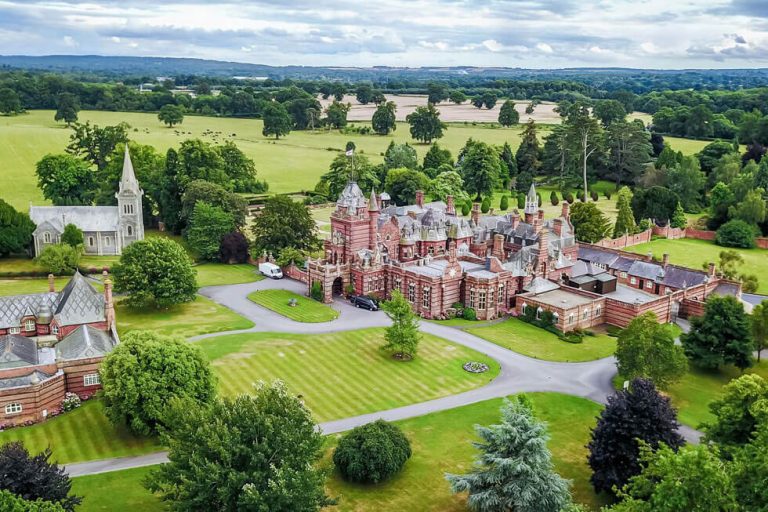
pixel 270 270
pixel 359 301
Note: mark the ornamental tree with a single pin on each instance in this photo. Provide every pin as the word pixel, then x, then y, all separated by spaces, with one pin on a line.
pixel 72 236
pixel 750 472
pixel 625 219
pixel 736 233
pixel 10 502
pixel 34 477
pixel 233 248
pixel 722 336
pixel 656 203
pixel 155 271
pixel 59 259
pixel 16 230
pixel 372 453
pixel 284 223
pixel 739 412
pixel 403 335
pixel 589 223
pixel 251 453
pixel 145 372
pixel 647 349
pixel 514 470
pixel 638 413
pixel 448 183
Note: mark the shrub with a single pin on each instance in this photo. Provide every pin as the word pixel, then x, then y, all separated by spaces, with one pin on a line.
pixel 520 201
pixel 71 401
pixel 316 291
pixel 553 198
pixel 736 233
pixel 572 337
pixel 469 314
pixel 72 236
pixel 485 206
pixel 59 259
pixel 466 208
pixel 568 197
pixel 607 194
pixel 372 453
pixel 594 195
pixel 504 205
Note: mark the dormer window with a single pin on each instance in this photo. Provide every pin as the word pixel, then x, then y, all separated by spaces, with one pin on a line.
pixel 29 325
pixel 55 329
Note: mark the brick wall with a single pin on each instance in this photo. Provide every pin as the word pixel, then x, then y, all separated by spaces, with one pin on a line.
pixel 626 240
pixel 33 399
pixel 699 234
pixel 296 273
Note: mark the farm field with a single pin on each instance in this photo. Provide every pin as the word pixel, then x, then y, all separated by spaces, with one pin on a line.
pixel 318 366
pixel 693 253
pixel 305 310
pixel 421 485
pixel 538 343
pixel 290 164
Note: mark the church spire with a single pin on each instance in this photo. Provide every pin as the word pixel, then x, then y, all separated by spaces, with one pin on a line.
pixel 531 201
pixel 373 203
pixel 128 181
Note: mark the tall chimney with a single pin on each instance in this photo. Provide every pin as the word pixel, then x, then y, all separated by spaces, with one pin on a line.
pixel 476 213
pixel 51 283
pixel 498 247
pixel 557 226
pixel 649 256
pixel 711 269
pixel 490 211
pixel 515 219
pixel 109 308
pixel 452 251
pixel 665 259
pixel 566 213
pixel 420 198
pixel 543 251
pixel 450 208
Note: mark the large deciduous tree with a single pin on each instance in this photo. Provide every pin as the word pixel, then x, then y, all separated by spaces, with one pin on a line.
pixel 343 169
pixel 207 227
pixel 383 120
pixel 66 180
pixel 514 470
pixel 435 158
pixel 34 477
pixel 171 115
pixel 10 103
pixel 480 167
pixel 10 502
pixel 722 336
pixel 589 223
pixel 284 223
pixel 96 144
pixel 155 271
pixel 448 183
pixel 647 349
pixel 739 412
pixel 277 121
pixel 400 155
pixel 240 169
pixel 199 160
pixel 629 149
pixel 148 370
pixel 59 259
pixel 759 325
pixel 657 203
pixel 426 125
pixel 67 107
pixel 215 195
pixel 402 337
pixel 251 453
pixel 609 112
pixel 402 184
pixel 336 114
pixel 508 115
pixel 15 230
pixel 638 413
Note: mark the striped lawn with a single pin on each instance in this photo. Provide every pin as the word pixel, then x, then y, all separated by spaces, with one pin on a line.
pixel 217 274
pixel 79 435
pixel 306 310
pixel 533 341
pixel 344 374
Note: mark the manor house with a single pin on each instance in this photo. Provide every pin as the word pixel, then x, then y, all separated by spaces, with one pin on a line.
pixel 497 264
pixel 106 229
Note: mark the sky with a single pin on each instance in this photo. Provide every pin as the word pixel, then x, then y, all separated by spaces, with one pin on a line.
pixel 529 34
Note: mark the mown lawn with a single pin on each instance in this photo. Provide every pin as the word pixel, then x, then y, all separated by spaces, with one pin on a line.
pixel 80 435
pixel 293 163
pixel 345 373
pixel 441 443
pixel 306 309
pixel 216 274
pixel 533 341
pixel 693 394
pixel 695 253
pixel 24 286
pixel 201 316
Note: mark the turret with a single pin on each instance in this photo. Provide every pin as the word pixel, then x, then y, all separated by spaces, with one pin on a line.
pixel 531 205
pixel 373 221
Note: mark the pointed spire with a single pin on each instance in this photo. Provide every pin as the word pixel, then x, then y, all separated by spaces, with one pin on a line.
pixel 373 203
pixel 128 180
pixel 531 200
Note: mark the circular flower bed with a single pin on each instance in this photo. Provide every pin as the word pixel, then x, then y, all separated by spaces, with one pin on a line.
pixel 475 367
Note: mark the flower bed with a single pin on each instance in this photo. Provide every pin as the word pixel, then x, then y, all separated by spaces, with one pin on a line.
pixel 475 367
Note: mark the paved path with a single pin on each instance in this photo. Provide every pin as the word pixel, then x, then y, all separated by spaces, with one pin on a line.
pixel 518 373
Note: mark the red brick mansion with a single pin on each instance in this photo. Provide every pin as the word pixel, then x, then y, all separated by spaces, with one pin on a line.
pixel 497 264
pixel 50 344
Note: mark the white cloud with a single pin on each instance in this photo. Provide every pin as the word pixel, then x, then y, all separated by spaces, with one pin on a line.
pixel 493 45
pixel 544 47
pixel 69 41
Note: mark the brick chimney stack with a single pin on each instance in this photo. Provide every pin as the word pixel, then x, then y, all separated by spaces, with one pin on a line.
pixel 557 226
pixel 543 251
pixel 566 213
pixel 452 253
pixel 498 247
pixel 51 283
pixel 109 307
pixel 475 213
pixel 665 259
pixel 711 269
pixel 515 219
pixel 420 198
pixel 450 207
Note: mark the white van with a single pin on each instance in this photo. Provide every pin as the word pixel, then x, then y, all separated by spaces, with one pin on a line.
pixel 270 270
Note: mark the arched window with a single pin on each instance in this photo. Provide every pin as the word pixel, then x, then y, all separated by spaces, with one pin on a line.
pixel 107 241
pixel 90 241
pixel 130 230
pixel 47 237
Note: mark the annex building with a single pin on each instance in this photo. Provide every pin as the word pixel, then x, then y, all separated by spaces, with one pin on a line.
pixel 106 229
pixel 52 343
pixel 497 264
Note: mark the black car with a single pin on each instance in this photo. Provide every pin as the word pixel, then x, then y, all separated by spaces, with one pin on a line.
pixel 360 301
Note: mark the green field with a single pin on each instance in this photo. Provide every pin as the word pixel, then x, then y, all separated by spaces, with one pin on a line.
pixel 305 310
pixel 440 442
pixel 694 253
pixel 692 395
pixel 345 373
pixel 201 316
pixel 533 341
pixel 79 435
pixel 290 164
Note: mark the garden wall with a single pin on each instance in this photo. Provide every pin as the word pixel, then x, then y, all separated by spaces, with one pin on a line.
pixel 296 273
pixel 626 240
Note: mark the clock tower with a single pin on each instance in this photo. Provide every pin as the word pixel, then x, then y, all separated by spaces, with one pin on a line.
pixel 350 225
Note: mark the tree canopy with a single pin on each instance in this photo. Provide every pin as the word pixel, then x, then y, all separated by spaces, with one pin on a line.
pixel 403 335
pixel 16 230
pixel 66 180
pixel 425 124
pixel 284 223
pixel 589 223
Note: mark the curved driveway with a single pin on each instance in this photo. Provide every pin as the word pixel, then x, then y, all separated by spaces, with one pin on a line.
pixel 518 373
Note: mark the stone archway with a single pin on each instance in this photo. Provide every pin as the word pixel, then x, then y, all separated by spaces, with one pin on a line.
pixel 338 286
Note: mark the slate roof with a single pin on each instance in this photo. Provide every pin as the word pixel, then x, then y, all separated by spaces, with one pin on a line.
pixel 646 270
pixel 679 277
pixel 594 255
pixel 17 350
pixel 83 343
pixel 87 218
pixel 541 285
pixel 34 377
pixel 352 198
pixel 13 308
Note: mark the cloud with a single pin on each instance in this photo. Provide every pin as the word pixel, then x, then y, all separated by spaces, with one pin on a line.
pixel 544 47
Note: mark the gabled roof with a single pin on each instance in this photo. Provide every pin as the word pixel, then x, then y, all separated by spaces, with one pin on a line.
pixel 595 255
pixel 13 308
pixel 646 270
pixel 87 218
pixel 83 343
pixel 79 303
pixel 16 351
pixel 541 285
pixel 679 277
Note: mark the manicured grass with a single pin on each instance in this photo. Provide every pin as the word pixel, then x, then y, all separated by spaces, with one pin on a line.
pixel 79 435
pixel 25 286
pixel 292 163
pixel 118 490
pixel 201 316
pixel 306 310
pixel 18 264
pixel 345 373
pixel 441 443
pixel 216 274
pixel 694 253
pixel 460 323
pixel 533 341
pixel 693 394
